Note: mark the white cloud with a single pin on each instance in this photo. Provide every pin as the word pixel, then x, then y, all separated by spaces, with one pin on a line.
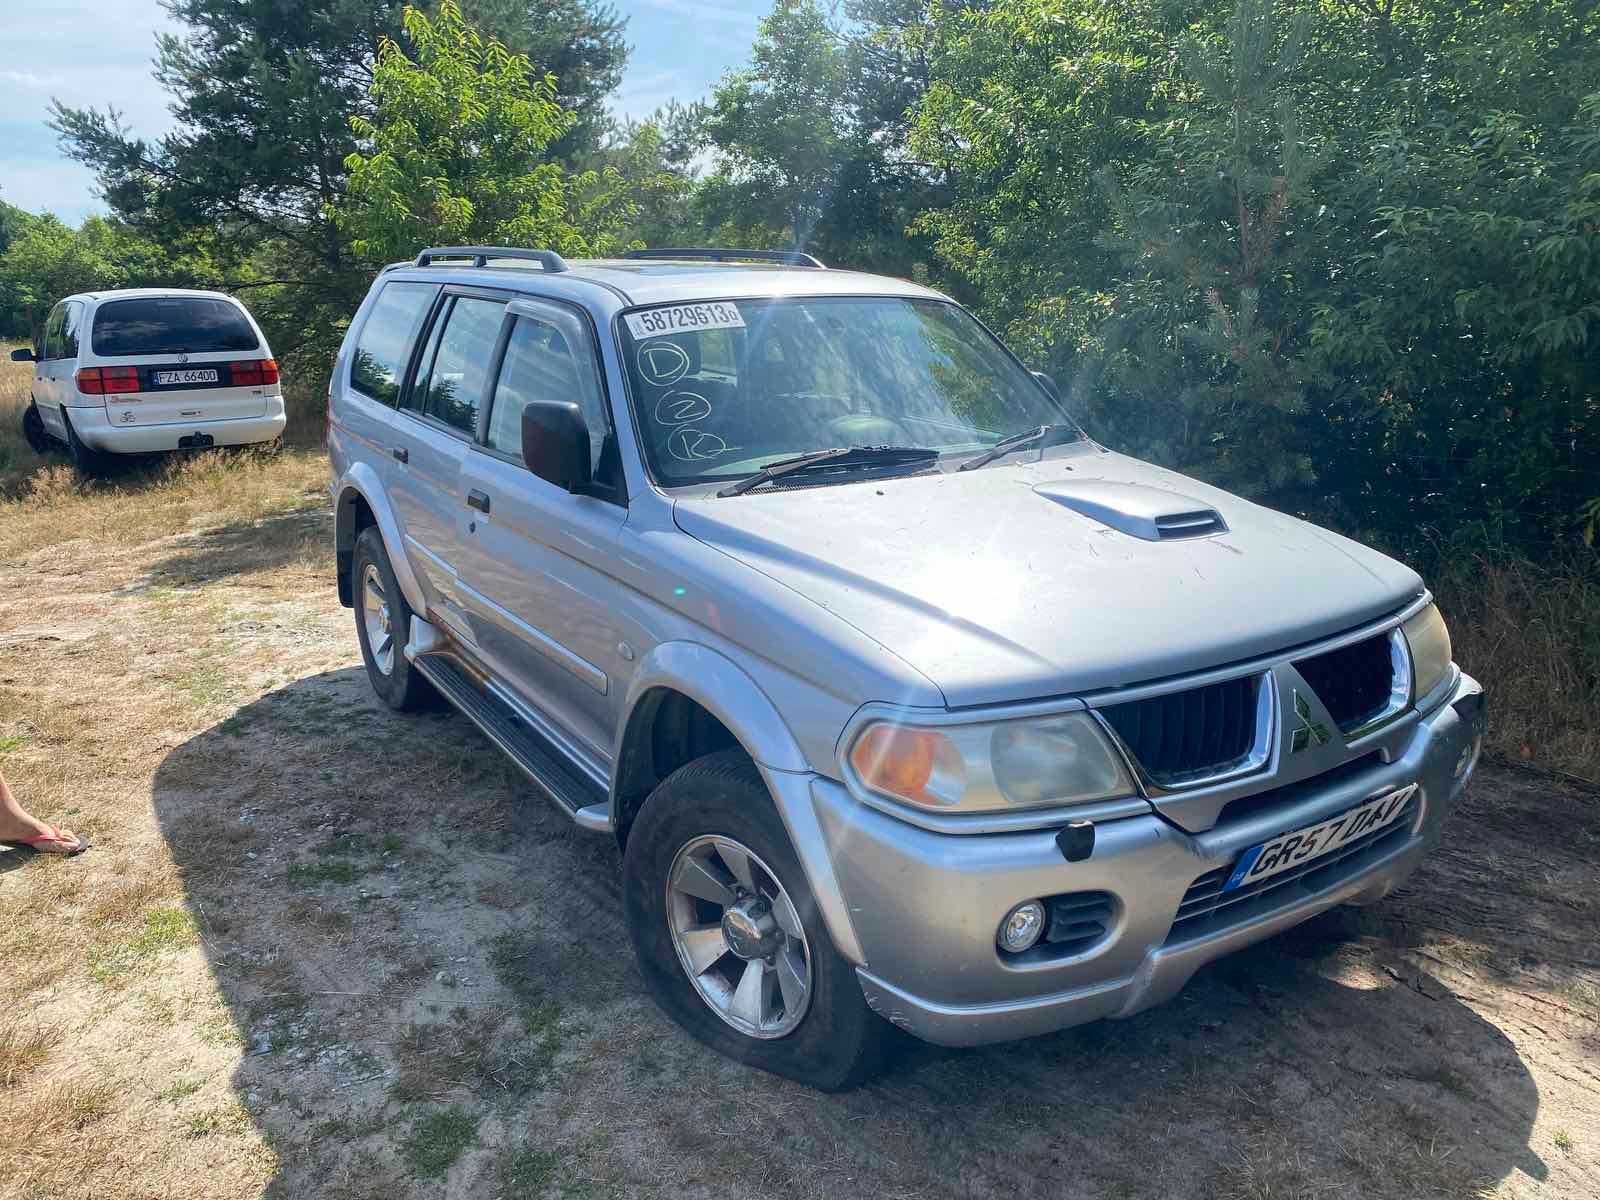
pixel 707 12
pixel 50 185
pixel 28 79
pixel 85 54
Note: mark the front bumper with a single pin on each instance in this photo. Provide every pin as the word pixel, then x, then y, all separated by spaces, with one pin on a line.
pixel 98 433
pixel 922 907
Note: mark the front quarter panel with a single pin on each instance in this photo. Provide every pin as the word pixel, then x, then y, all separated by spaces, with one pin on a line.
pixel 361 481
pixel 723 688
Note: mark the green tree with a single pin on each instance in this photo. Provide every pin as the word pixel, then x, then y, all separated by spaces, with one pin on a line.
pixel 656 159
pixel 455 152
pixel 808 140
pixel 48 260
pixel 262 94
pixel 1344 262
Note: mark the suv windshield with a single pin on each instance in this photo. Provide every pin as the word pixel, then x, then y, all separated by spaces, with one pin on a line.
pixel 723 387
pixel 171 324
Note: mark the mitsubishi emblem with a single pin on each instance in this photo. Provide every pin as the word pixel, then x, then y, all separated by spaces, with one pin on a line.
pixel 1309 732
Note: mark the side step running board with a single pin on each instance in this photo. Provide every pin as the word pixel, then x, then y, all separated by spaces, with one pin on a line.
pixel 541 761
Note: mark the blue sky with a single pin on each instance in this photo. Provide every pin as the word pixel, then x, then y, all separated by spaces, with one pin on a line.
pixel 95 51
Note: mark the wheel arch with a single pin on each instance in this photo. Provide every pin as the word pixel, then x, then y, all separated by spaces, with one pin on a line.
pixel 684 673
pixel 361 503
pixel 686 700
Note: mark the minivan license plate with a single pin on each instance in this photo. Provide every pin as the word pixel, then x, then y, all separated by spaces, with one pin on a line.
pixel 1303 845
pixel 190 376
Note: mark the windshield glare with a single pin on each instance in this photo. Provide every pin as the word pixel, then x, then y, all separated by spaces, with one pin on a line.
pixel 722 388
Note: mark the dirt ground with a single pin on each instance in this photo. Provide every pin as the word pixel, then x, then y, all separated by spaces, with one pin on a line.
pixel 320 949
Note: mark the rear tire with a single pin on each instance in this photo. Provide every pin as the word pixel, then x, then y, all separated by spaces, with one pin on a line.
pixel 89 463
pixel 33 430
pixel 720 800
pixel 383 626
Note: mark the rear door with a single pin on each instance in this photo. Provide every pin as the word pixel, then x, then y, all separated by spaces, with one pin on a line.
pixel 550 621
pixel 443 400
pixel 196 359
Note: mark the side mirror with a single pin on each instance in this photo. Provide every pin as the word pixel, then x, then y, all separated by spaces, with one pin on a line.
pixel 23 355
pixel 1049 385
pixel 555 443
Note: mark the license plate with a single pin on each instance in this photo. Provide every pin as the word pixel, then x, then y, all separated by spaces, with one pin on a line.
pixel 190 376
pixel 1304 845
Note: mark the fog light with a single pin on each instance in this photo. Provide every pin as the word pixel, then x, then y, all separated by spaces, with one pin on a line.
pixel 1468 759
pixel 1023 926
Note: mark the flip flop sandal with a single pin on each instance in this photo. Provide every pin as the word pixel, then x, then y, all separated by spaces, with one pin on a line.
pixel 53 843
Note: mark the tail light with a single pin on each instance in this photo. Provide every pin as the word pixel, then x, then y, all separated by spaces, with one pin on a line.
pixel 107 381
pixel 255 372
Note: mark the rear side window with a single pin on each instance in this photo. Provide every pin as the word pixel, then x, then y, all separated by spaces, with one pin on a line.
pixel 450 387
pixel 71 326
pixel 52 331
pixel 171 325
pixel 384 344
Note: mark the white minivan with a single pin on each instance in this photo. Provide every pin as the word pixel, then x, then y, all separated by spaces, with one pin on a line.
pixel 144 370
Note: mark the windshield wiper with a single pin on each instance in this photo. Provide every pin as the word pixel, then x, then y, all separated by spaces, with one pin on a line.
pixel 1018 441
pixel 838 457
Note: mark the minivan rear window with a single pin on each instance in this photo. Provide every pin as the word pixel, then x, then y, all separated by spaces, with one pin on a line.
pixel 171 325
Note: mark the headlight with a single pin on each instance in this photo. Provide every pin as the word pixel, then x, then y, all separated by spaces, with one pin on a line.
pixel 1429 642
pixel 1032 763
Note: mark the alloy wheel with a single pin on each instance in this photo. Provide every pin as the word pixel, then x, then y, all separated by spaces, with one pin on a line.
pixel 738 937
pixel 375 615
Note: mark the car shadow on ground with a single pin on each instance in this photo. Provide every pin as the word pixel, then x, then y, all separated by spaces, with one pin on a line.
pixel 243 548
pixel 431 992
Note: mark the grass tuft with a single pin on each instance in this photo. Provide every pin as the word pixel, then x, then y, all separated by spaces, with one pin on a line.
pixel 24 1049
pixel 165 930
pixel 524 1172
pixel 438 1139
pixel 314 874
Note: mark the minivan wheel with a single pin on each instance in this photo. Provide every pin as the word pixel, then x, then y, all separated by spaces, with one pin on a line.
pixel 33 429
pixel 728 935
pixel 89 463
pixel 383 623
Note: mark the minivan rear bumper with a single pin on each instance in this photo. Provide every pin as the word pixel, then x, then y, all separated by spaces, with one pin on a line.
pixel 95 430
pixel 924 907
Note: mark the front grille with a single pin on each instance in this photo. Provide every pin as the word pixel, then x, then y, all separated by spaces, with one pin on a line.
pixel 1183 735
pixel 1353 682
pixel 1207 909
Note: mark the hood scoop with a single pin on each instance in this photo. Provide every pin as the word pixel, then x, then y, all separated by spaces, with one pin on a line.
pixel 1142 512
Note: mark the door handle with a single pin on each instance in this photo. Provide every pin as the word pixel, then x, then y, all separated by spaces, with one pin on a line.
pixel 401 453
pixel 478 500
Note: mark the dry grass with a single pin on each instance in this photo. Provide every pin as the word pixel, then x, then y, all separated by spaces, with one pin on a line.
pixel 1533 635
pixel 24 1048
pixel 15 381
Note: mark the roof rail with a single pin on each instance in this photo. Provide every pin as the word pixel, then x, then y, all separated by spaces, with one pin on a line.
pixel 793 258
pixel 480 255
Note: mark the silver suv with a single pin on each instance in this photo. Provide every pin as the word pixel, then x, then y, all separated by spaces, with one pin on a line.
pixel 906 701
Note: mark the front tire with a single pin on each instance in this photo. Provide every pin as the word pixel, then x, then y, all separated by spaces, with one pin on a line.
pixel 762 982
pixel 383 624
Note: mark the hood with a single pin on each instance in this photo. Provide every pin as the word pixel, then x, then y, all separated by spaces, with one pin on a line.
pixel 1078 573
